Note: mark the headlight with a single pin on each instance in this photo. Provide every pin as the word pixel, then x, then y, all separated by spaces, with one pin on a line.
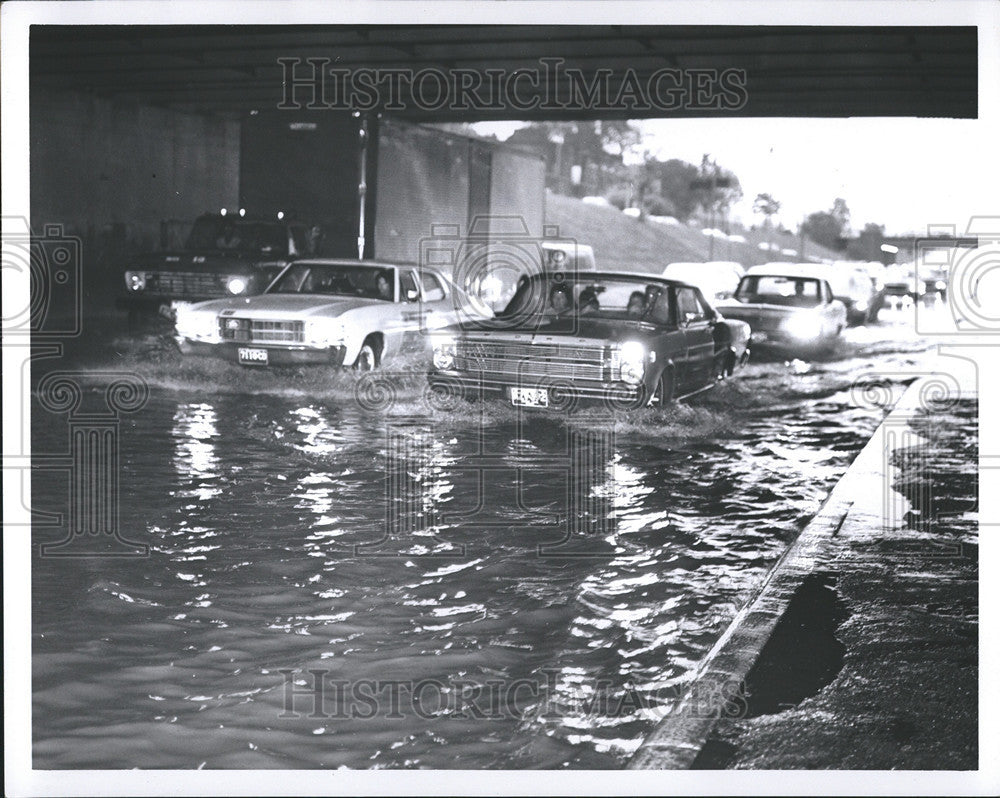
pixel 632 362
pixel 324 332
pixel 940 285
pixel 861 304
pixel 135 281
pixel 198 325
pixel 444 352
pixel 804 326
pixel 237 284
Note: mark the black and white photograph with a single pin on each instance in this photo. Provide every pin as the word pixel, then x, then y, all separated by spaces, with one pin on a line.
pixel 425 398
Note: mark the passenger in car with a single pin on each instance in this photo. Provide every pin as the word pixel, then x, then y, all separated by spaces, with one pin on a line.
pixel 384 285
pixel 588 301
pixel 636 304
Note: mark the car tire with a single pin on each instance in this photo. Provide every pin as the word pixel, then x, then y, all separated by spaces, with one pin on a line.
pixel 663 393
pixel 369 357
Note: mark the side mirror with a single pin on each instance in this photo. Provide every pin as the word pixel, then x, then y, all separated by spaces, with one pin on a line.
pixel 412 294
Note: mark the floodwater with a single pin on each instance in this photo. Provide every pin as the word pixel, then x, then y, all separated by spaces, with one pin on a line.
pixel 388 582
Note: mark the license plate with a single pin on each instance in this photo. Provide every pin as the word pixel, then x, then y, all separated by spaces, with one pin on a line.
pixel 251 357
pixel 758 338
pixel 529 397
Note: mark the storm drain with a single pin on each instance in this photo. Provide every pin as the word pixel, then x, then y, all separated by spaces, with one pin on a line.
pixel 803 654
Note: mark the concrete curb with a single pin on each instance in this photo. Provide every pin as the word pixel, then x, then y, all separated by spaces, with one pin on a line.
pixel 679 737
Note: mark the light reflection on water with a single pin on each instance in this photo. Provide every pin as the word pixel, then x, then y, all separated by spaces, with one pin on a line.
pixel 282 541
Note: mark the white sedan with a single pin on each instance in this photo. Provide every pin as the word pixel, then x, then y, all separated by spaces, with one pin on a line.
pixel 788 308
pixel 332 312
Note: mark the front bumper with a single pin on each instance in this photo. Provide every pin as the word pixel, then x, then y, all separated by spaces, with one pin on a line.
pixel 276 355
pixel 563 394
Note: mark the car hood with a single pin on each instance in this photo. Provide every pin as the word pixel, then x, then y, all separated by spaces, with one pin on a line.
pixel 567 329
pixel 287 306
pixel 208 261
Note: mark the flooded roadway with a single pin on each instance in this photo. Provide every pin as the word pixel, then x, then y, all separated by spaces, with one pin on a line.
pixel 394 583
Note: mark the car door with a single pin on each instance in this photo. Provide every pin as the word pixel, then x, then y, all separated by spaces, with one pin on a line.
pixel 696 321
pixel 436 301
pixel 401 324
pixel 834 314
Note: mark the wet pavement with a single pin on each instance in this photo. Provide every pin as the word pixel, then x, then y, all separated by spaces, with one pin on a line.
pixel 348 574
pixel 895 648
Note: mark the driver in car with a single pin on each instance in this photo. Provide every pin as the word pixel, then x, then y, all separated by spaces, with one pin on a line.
pixel 559 299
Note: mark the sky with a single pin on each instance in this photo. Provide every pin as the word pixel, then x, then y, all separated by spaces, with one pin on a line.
pixel 903 173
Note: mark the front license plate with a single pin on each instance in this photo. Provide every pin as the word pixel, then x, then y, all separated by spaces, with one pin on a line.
pixel 251 357
pixel 529 397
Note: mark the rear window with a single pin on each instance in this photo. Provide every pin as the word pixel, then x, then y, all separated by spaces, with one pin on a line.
pixel 776 290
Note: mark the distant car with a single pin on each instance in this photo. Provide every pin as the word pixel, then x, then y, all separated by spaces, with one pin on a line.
pixel 788 306
pixel 717 279
pixel 224 255
pixel 859 287
pixel 327 312
pixel 629 339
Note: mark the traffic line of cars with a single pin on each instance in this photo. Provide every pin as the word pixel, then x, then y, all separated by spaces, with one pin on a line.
pixel 568 333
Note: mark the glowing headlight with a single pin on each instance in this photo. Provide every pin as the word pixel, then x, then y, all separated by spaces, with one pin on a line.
pixel 236 285
pixel 198 325
pixel 861 304
pixel 632 360
pixel 804 326
pixel 940 285
pixel 444 352
pixel 135 281
pixel 324 332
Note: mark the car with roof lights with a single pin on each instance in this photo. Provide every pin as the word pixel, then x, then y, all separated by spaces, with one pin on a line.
pixel 225 254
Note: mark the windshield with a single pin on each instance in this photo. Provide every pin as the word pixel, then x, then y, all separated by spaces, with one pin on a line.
pixel 371 282
pixel 229 233
pixel 799 292
pixel 611 298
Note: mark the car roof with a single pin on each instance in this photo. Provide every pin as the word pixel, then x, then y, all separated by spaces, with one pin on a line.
pixel 566 245
pixel 374 264
pixel 591 276
pixel 808 270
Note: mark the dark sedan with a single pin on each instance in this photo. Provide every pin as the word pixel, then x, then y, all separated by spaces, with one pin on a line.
pixel 630 339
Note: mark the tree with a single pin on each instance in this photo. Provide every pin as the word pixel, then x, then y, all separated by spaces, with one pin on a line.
pixel 823 228
pixel 718 188
pixel 618 137
pixel 842 214
pixel 868 244
pixel 767 206
pixel 676 178
pixel 828 228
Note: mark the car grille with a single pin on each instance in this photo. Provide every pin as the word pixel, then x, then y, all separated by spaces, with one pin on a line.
pixel 533 361
pixel 186 284
pixel 257 331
